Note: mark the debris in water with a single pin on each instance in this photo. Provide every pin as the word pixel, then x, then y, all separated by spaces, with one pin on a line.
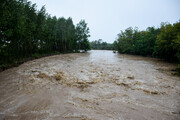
pixel 34 71
pixel 82 86
pixel 84 100
pixel 137 83
pixel 123 84
pixel 42 75
pixel 59 76
pixel 131 77
pixel 151 92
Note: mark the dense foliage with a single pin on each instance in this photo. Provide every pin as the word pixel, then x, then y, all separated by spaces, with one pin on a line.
pixel 168 42
pixel 26 32
pixel 100 45
pixel 163 42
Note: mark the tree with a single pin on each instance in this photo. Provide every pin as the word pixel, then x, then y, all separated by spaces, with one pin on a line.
pixel 82 34
pixel 168 42
pixel 115 45
pixel 126 41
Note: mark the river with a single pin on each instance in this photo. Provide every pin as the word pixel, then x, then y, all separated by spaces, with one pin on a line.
pixel 97 85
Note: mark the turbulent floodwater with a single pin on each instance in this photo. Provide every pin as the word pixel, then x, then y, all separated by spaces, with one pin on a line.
pixel 98 85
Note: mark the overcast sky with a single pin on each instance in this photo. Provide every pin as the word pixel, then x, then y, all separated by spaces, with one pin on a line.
pixel 106 18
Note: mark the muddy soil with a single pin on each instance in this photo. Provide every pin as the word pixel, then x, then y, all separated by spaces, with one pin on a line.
pixel 98 85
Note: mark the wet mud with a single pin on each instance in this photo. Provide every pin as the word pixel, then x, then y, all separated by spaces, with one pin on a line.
pixel 98 85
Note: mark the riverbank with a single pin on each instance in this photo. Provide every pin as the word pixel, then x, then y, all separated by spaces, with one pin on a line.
pixel 16 63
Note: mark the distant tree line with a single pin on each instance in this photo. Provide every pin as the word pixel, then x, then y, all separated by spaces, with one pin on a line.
pixel 26 32
pixel 100 45
pixel 163 42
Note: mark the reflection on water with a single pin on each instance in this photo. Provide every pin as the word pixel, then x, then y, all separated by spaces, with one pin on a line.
pixel 105 56
pixel 94 85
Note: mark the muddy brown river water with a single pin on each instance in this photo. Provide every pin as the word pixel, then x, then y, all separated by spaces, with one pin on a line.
pixel 98 85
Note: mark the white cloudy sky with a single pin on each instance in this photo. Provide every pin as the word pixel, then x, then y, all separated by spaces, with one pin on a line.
pixel 106 18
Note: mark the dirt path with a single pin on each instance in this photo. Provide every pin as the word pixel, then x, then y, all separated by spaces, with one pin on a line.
pixel 98 85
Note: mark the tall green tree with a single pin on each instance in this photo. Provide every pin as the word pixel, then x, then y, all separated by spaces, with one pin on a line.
pixel 82 35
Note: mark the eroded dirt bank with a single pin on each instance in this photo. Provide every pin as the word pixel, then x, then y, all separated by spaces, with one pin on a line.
pixel 98 85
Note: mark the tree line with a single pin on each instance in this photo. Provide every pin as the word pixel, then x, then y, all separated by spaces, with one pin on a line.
pixel 163 42
pixel 101 45
pixel 26 32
